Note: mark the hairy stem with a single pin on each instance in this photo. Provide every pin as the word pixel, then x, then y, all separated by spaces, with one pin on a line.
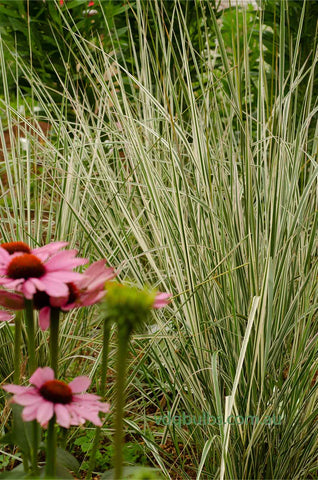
pixel 102 391
pixel 50 466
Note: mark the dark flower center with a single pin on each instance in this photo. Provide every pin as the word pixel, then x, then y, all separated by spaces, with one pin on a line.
pixel 57 392
pixel 73 292
pixel 25 266
pixel 13 247
pixel 41 300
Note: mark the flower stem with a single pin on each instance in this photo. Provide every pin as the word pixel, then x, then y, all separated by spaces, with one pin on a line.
pixel 106 335
pixel 50 466
pixel 54 339
pixel 29 321
pixel 17 348
pixel 123 342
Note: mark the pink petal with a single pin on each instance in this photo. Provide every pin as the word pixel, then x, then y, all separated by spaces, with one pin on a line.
pixel 80 384
pixel 90 415
pixel 58 301
pixel 28 289
pixel 11 300
pixel 62 415
pixel 49 249
pixel 11 284
pixel 17 389
pixel 63 276
pixel 161 300
pixel 4 256
pixel 44 318
pixel 98 282
pixel 27 399
pixel 54 288
pixel 29 413
pixel 42 375
pixel 93 272
pixel 92 298
pixel 5 316
pixel 38 284
pixel 65 260
pixel 45 412
pixel 74 418
pixel 86 397
pixel 69 306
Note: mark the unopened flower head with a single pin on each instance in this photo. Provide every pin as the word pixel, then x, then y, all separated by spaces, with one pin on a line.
pixel 129 306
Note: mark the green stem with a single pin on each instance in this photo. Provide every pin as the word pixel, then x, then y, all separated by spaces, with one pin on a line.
pixel 17 366
pixel 54 339
pixel 50 466
pixel 17 348
pixel 123 342
pixel 29 321
pixel 102 391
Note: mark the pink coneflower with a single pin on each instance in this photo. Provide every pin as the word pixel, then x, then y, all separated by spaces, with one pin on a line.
pixel 42 252
pixel 88 290
pixel 48 397
pixel 46 271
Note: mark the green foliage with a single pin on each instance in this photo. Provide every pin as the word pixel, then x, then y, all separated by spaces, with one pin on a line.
pixel 133 452
pixel 42 33
pixel 194 172
pixel 4 461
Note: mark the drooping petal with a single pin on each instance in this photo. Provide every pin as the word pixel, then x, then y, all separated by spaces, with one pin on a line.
pixel 89 414
pixel 93 273
pixel 44 318
pixel 161 300
pixel 29 413
pixel 5 316
pixel 38 284
pixel 80 384
pixel 58 301
pixel 54 288
pixel 86 397
pixel 45 412
pixel 64 276
pixel 17 389
pixel 11 300
pixel 28 289
pixel 62 415
pixel 11 284
pixel 92 298
pixel 42 375
pixel 27 398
